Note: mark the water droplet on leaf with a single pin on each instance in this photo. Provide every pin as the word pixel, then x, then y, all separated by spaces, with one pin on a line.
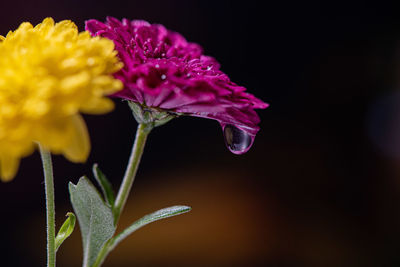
pixel 237 140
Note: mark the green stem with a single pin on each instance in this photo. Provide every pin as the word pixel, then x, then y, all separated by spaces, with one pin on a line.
pixel 50 207
pixel 142 132
pixel 137 150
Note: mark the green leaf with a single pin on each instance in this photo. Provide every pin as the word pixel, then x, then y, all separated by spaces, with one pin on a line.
pixel 149 218
pixel 66 229
pixel 105 185
pixel 94 216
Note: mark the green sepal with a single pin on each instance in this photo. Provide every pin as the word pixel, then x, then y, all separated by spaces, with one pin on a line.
pixel 104 184
pixel 150 116
pixel 66 229
pixel 95 218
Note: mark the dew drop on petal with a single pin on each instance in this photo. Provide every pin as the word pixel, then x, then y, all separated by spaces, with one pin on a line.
pixel 163 77
pixel 237 140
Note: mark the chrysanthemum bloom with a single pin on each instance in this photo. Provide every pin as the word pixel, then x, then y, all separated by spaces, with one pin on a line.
pixel 164 72
pixel 48 74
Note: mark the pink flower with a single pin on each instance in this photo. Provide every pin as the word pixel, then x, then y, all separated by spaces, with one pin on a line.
pixel 165 72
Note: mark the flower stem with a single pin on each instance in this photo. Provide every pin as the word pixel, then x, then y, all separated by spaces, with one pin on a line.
pixel 137 150
pixel 142 132
pixel 50 207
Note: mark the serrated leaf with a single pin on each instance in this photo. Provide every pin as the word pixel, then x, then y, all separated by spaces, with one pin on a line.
pixel 105 185
pixel 66 229
pixel 149 218
pixel 94 216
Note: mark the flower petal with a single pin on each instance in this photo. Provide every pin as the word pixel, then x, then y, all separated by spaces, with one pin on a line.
pixel 98 106
pixel 78 147
pixel 8 167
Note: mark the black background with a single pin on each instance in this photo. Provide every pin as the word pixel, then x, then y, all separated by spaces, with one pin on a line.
pixel 320 187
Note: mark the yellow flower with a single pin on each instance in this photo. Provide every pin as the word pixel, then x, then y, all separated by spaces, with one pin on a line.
pixel 48 75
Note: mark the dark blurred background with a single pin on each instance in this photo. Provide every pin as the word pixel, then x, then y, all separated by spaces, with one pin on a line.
pixel 321 185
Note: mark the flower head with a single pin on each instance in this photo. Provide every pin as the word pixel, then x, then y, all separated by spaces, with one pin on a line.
pixel 48 74
pixel 163 71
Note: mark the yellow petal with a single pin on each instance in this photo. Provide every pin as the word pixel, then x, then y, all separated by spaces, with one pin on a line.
pixel 66 25
pixel 8 168
pixel 98 106
pixel 46 25
pixel 75 82
pixel 54 135
pixel 24 26
pixel 78 147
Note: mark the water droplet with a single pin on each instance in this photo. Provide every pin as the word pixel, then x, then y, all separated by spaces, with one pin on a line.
pixel 163 54
pixel 209 67
pixel 237 140
pixel 163 77
pixel 157 66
